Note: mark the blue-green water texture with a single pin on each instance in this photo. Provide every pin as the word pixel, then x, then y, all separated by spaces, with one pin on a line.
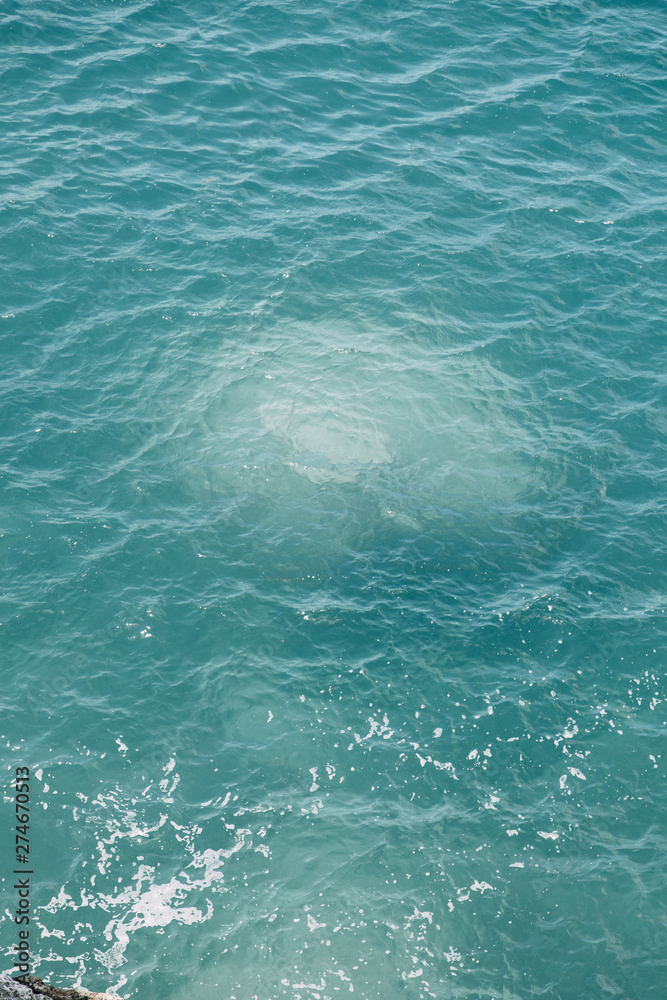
pixel 333 464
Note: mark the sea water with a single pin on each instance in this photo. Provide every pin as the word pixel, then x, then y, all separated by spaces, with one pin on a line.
pixel 333 472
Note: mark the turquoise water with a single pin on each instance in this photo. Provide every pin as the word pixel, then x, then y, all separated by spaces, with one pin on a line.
pixel 333 463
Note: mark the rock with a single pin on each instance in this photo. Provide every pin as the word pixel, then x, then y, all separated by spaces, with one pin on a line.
pixel 31 987
pixel 11 990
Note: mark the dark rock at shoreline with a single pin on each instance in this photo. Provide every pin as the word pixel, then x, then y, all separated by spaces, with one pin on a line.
pixel 29 987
